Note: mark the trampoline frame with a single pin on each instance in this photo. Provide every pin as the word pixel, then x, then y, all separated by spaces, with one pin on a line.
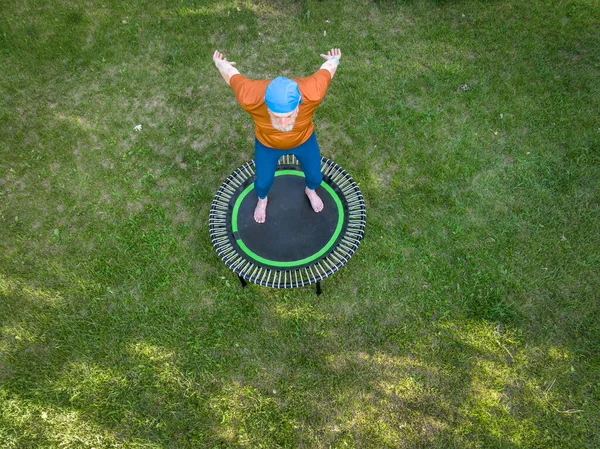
pixel 291 277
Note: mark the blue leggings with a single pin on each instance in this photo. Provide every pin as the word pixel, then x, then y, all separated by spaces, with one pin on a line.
pixel 265 161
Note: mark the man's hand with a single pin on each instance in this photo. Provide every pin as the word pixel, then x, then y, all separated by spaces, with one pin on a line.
pixel 332 60
pixel 334 53
pixel 225 67
pixel 219 58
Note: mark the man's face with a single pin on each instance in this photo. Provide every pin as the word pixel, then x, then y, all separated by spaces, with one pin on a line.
pixel 283 122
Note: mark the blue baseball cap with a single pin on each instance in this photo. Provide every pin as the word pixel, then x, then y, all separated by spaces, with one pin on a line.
pixel 282 95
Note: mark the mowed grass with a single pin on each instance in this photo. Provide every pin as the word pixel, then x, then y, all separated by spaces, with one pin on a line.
pixel 468 318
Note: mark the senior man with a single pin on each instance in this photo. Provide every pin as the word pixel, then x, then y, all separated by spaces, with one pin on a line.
pixel 282 110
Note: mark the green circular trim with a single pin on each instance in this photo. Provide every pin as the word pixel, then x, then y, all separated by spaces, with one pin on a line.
pixel 275 263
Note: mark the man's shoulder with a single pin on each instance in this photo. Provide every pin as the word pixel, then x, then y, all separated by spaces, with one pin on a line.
pixel 239 81
pixel 248 91
pixel 314 86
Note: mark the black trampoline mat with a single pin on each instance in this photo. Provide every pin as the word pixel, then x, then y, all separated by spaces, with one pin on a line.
pixel 292 232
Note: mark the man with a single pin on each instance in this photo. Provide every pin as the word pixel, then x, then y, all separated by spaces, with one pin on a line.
pixel 282 110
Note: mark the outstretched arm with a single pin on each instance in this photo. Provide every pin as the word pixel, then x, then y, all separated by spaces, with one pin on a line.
pixel 332 57
pixel 225 67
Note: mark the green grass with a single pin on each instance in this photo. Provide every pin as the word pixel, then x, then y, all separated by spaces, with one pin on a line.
pixel 468 318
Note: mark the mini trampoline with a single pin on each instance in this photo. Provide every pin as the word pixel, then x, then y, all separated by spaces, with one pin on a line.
pixel 295 246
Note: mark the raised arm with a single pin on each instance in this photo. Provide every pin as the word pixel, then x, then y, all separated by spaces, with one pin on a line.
pixel 225 67
pixel 332 57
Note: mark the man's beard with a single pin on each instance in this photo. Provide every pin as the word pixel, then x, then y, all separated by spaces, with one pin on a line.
pixel 284 129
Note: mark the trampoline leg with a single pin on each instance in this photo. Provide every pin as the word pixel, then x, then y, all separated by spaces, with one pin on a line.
pixel 319 291
pixel 243 281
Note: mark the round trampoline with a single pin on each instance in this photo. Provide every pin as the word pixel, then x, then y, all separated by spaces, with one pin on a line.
pixel 295 246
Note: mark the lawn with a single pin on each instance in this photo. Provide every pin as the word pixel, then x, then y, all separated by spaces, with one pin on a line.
pixel 469 316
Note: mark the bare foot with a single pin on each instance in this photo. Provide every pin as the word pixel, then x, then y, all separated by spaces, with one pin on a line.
pixel 260 212
pixel 315 201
